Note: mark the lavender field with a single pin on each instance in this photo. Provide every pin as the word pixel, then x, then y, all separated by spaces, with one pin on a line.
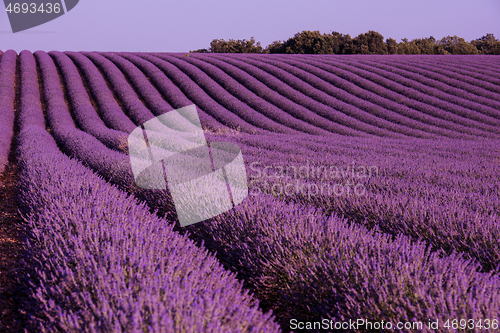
pixel 374 193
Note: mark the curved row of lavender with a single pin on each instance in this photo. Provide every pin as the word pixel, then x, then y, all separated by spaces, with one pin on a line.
pixel 443 236
pixel 7 97
pixel 104 262
pixel 157 91
pixel 474 83
pixel 273 107
pixel 249 257
pixel 112 164
pixel 220 104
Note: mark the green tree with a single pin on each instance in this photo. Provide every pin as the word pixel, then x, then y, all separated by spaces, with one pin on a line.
pixel 370 42
pixel 235 46
pixel 348 47
pixel 407 47
pixel 457 45
pixel 313 42
pixel 392 46
pixel 487 44
pixel 305 42
pixel 275 47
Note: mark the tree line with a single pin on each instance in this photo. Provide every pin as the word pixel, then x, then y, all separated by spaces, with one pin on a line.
pixel 371 42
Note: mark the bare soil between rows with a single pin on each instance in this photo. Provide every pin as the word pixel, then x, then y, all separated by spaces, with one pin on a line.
pixel 11 251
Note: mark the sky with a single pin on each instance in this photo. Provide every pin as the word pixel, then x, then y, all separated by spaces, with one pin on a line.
pixel 181 26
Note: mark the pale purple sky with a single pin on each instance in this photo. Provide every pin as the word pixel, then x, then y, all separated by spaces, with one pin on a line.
pixel 180 26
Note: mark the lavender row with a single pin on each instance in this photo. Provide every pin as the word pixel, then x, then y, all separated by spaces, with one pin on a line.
pixel 112 164
pixel 30 102
pixel 111 266
pixel 424 121
pixel 442 92
pixel 258 96
pixel 446 170
pixel 418 100
pixel 249 122
pixel 134 108
pixel 151 94
pixel 393 90
pixel 286 299
pixel 7 96
pixel 280 292
pixel 258 204
pixel 484 63
pixel 130 101
pixel 477 60
pixel 411 194
pixel 459 167
pixel 84 113
pixel 137 69
pixel 410 98
pixel 140 83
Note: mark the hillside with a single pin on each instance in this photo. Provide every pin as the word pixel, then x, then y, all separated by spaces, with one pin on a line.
pixel 373 193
